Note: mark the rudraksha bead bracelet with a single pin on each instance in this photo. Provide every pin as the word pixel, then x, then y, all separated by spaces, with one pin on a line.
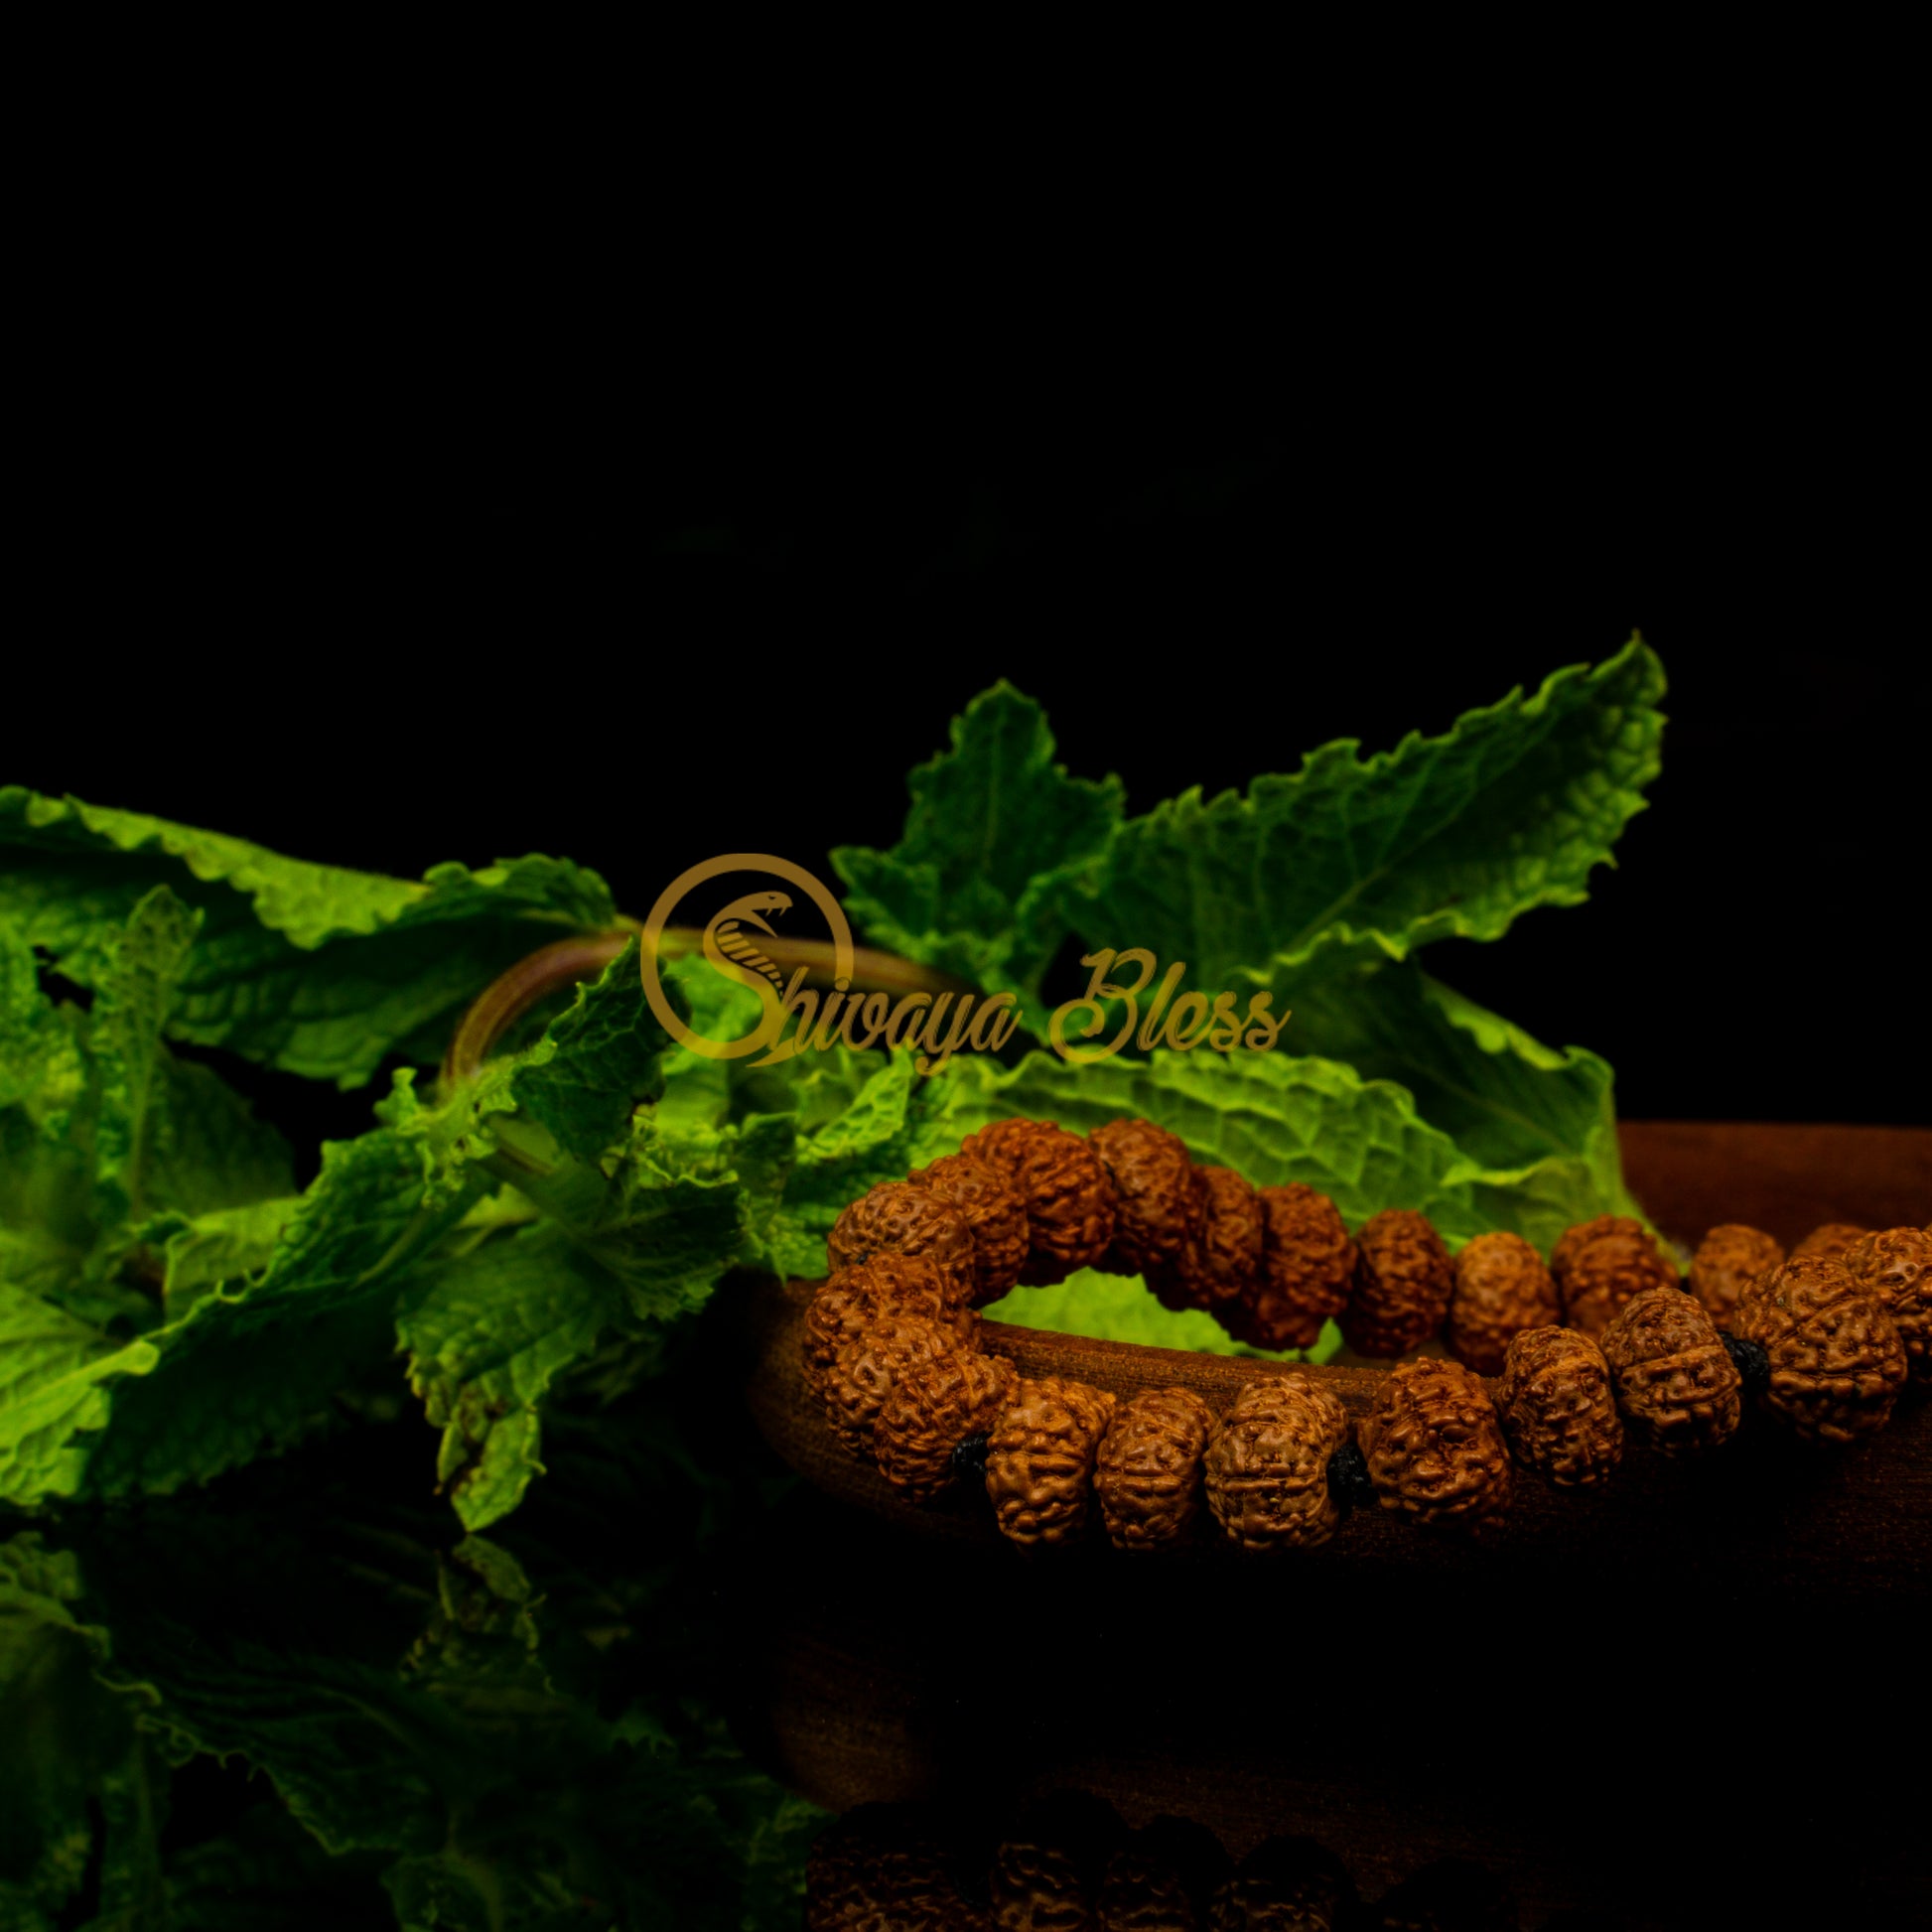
pixel 1604 1342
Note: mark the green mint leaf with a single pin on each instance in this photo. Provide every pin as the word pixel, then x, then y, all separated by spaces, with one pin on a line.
pixel 486 1335
pixel 42 1069
pixel 48 1109
pixel 135 996
pixel 875 1134
pixel 56 1373
pixel 595 1062
pixel 221 1247
pixel 1118 1307
pixel 265 1870
pixel 251 1370
pixel 1271 1117
pixel 100 1124
pixel 995 834
pixel 206 1151
pixel 1451 837
pixel 1505 1099
pixel 676 1219
pixel 314 969
pixel 69 1746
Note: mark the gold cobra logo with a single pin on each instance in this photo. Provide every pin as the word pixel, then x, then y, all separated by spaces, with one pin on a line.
pixel 730 946
pixel 934 1021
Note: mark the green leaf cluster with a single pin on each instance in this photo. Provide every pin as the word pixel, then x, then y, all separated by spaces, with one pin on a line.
pixel 465 1730
pixel 454 1733
pixel 1322 885
pixel 172 1308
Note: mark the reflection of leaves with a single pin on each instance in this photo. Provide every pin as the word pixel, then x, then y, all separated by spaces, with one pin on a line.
pixel 511 1734
pixel 70 1747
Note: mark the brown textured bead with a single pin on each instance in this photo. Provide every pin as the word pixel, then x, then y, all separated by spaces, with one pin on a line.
pixel 1070 1202
pixel 1606 1276
pixel 1147 1475
pixel 1267 1464
pixel 855 1298
pixel 1287 1885
pixel 934 1405
pixel 1728 1260
pixel 1829 1241
pixel 1038 1888
pixel 1162 1879
pixel 1046 1871
pixel 897 1218
pixel 1676 1386
pixel 1218 1266
pixel 1837 1360
pixel 1307 1265
pixel 1451 1892
pixel 1558 1408
pixel 1040 1458
pixel 1573 1240
pixel 1435 1449
pixel 868 1367
pixel 1161 1203
pixel 990 1206
pixel 880 1866
pixel 1501 1288
pixel 1895 1265
pixel 1403 1282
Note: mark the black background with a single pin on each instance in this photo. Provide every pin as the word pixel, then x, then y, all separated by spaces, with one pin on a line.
pixel 642 642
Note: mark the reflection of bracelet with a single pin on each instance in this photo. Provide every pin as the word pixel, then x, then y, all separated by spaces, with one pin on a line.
pixel 1070 1861
pixel 1825 1338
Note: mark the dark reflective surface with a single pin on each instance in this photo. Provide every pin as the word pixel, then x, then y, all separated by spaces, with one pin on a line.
pixel 682 1689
